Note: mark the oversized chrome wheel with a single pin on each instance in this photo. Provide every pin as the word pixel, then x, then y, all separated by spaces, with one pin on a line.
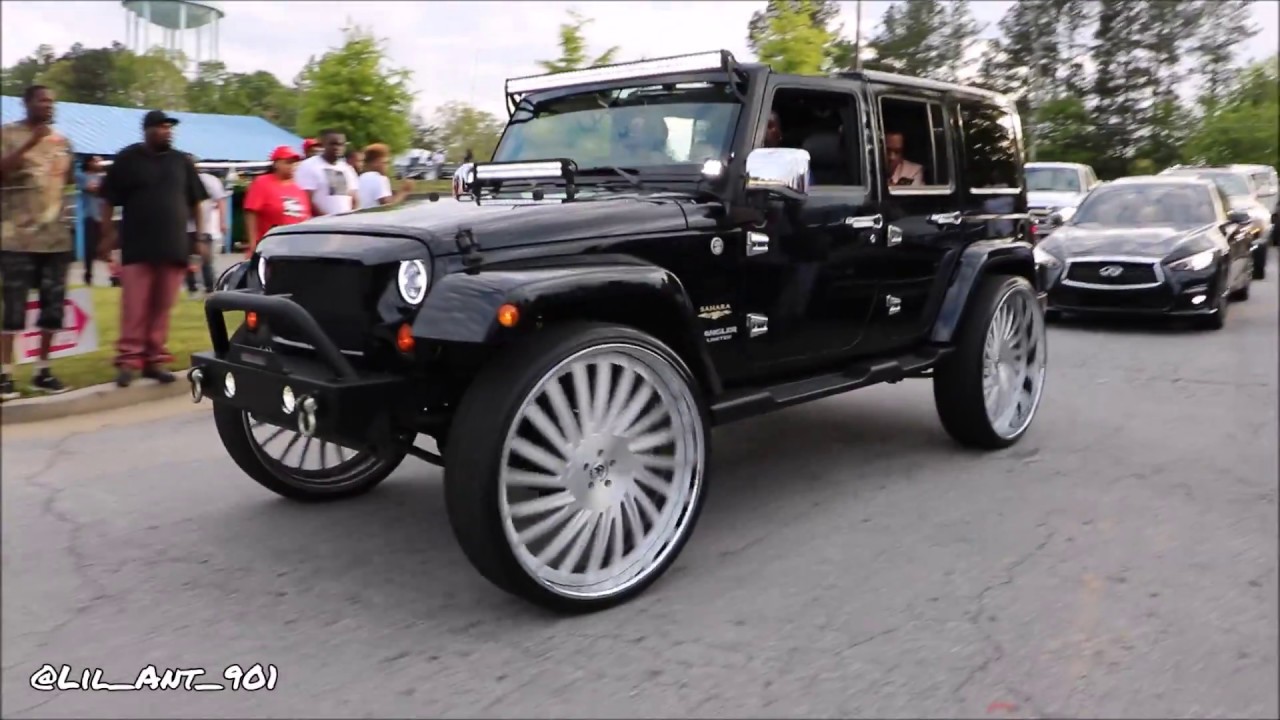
pixel 988 389
pixel 1013 363
pixel 599 470
pixel 592 477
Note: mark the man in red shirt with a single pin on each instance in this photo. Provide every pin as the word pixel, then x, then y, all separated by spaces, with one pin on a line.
pixel 274 198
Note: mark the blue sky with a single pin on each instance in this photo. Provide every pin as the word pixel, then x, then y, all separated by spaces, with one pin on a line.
pixel 457 50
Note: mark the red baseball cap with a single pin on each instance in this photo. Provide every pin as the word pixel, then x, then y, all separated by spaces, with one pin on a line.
pixel 309 143
pixel 284 152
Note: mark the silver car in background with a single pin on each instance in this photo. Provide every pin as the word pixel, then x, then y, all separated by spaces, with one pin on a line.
pixel 1267 190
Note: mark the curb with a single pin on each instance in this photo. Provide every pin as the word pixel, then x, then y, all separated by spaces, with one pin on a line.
pixel 92 399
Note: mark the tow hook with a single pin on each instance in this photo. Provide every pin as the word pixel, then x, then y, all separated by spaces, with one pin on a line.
pixel 307 416
pixel 196 378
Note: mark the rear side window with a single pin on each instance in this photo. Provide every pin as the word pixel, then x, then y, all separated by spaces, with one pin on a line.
pixel 991 147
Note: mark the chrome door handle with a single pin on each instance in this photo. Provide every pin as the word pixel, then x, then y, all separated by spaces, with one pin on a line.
pixel 951 218
pixel 865 222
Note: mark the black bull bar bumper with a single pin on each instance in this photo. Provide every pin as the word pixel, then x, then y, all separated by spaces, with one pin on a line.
pixel 321 394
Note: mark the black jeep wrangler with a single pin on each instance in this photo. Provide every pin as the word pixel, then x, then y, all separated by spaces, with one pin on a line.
pixel 656 248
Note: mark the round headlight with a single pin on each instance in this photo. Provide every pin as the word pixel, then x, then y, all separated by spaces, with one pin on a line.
pixel 413 281
pixel 262 271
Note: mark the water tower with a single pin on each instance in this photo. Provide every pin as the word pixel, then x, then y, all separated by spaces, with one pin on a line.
pixel 186 26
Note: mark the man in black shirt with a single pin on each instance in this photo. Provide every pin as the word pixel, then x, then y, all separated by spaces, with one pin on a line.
pixel 160 191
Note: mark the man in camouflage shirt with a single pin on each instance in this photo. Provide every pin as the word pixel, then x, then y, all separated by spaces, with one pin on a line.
pixel 35 241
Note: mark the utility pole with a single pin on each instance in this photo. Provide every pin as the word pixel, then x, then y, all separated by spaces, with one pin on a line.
pixel 857 39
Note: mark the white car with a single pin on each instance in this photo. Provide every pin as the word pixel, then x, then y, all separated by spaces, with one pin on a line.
pixel 1056 187
pixel 1267 191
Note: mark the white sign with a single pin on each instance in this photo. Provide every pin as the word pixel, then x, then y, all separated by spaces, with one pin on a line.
pixel 79 333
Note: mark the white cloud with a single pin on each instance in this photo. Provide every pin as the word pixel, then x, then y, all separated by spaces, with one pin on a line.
pixel 457 50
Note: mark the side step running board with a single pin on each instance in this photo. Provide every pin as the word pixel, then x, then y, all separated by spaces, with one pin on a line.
pixel 742 404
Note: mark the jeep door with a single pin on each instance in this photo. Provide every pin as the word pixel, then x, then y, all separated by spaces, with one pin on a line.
pixel 922 235
pixel 807 289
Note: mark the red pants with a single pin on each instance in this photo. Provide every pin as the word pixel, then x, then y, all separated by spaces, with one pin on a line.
pixel 148 293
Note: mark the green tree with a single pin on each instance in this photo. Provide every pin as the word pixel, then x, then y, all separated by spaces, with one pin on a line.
pixel 214 90
pixel 463 127
pixel 799 34
pixel 22 74
pixel 353 88
pixel 573 48
pixel 152 80
pixel 1221 27
pixel 425 135
pixel 1245 126
pixel 911 39
pixel 793 38
pixel 1065 131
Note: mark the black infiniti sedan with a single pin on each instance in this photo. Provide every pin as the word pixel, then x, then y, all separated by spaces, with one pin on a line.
pixel 1157 245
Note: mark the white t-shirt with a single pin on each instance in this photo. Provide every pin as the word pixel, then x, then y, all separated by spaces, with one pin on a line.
pixel 330 185
pixel 212 223
pixel 373 187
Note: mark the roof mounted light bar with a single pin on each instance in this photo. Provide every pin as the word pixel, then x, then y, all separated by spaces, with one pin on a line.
pixel 697 62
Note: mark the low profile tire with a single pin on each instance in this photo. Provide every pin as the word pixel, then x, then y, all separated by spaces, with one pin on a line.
pixel 988 389
pixel 1260 263
pixel 299 468
pixel 1217 320
pixel 575 469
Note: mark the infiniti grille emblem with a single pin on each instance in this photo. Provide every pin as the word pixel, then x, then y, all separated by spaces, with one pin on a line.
pixel 1111 271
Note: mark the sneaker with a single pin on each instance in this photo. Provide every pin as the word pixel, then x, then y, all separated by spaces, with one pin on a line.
pixel 159 374
pixel 8 391
pixel 45 382
pixel 124 377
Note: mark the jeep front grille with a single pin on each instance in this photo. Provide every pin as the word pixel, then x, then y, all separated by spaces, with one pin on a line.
pixel 342 297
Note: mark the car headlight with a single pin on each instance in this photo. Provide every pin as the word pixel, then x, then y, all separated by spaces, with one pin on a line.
pixel 1199 261
pixel 1043 257
pixel 412 281
pixel 262 271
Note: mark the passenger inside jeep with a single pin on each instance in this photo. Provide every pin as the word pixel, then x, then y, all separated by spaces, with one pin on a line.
pixel 914 143
pixel 814 121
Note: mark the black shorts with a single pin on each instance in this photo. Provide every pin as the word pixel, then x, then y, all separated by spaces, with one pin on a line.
pixel 19 273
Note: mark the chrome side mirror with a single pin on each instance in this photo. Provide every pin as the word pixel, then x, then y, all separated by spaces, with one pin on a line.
pixel 783 172
pixel 463 176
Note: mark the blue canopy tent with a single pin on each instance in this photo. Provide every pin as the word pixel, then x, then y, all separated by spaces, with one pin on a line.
pixel 103 131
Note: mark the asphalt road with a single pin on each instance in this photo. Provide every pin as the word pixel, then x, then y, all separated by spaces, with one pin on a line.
pixel 1121 562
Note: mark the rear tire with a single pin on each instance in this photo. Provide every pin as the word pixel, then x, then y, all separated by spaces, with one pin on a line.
pixel 1260 262
pixel 987 391
pixel 572 487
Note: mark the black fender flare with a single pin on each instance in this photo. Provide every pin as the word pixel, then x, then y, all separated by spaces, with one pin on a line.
pixel 977 260
pixel 233 278
pixel 463 307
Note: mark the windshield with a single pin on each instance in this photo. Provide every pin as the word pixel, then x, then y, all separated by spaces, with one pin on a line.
pixel 1230 184
pixel 1148 205
pixel 1049 179
pixel 633 128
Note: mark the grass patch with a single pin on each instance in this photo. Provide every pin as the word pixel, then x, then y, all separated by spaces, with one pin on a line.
pixel 426 186
pixel 188 333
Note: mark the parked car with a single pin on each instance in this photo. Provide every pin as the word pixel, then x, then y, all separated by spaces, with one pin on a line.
pixel 1267 186
pixel 1243 193
pixel 633 268
pixel 1056 187
pixel 1164 245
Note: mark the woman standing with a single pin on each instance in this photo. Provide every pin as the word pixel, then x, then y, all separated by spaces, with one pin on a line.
pixel 374 187
pixel 90 209
pixel 274 198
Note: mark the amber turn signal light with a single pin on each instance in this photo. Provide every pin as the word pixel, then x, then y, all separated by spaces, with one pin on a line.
pixel 251 319
pixel 508 315
pixel 404 339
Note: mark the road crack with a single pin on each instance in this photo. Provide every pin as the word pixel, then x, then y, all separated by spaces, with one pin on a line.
pixel 997 649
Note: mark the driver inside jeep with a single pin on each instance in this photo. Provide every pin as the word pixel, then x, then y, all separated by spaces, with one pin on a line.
pixel 643 141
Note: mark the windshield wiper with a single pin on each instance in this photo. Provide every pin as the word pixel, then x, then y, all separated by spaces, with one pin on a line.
pixel 627 174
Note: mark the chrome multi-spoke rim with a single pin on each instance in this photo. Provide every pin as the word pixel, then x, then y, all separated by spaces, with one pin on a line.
pixel 600 470
pixel 1013 363
pixel 306 460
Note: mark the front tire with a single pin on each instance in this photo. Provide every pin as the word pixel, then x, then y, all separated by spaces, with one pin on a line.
pixel 988 390
pixel 575 469
pixel 265 452
pixel 1260 262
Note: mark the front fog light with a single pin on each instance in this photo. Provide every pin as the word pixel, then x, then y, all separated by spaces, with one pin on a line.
pixel 1198 300
pixel 229 385
pixel 287 400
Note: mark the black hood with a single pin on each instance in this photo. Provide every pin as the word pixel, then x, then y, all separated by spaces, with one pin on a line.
pixel 501 224
pixel 1156 243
